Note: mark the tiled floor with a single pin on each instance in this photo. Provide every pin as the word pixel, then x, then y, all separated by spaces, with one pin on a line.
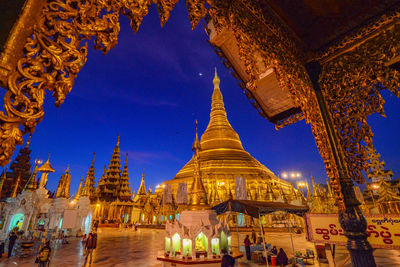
pixel 126 248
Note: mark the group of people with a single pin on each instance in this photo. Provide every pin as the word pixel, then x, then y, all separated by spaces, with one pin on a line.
pixel 281 257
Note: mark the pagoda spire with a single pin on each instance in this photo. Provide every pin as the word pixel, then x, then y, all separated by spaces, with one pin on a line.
pixel 20 166
pixel 330 192
pixel 32 184
pixel 219 128
pixel 28 142
pixel 88 186
pixel 109 185
pixel 149 192
pixel 15 191
pixel 79 192
pixel 142 187
pixel 376 167
pixel 64 185
pixel 124 191
pixel 198 196
pixel 315 188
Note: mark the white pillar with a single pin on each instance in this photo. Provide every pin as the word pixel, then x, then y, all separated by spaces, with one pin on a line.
pixel 194 248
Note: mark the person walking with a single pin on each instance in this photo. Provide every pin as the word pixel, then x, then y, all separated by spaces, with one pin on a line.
pixel 91 244
pixel 253 236
pixel 11 242
pixel 247 244
pixel 44 255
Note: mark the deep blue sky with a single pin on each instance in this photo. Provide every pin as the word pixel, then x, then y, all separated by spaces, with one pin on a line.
pixel 149 89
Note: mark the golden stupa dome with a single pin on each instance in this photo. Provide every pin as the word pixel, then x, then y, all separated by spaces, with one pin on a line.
pixel 222 156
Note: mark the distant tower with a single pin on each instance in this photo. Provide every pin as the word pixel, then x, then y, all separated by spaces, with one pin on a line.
pixel 15 191
pixel 32 184
pixel 198 196
pixel 124 191
pixel 79 192
pixel 142 192
pixel 108 186
pixel 376 167
pixel 89 182
pixel 64 185
pixel 19 168
pixel 142 188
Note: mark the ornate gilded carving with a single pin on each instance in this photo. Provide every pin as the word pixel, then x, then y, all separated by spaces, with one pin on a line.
pixel 197 11
pixel 351 84
pixel 55 53
pixel 351 39
pixel 253 40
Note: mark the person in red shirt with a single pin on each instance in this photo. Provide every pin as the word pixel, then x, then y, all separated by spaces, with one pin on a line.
pixel 247 244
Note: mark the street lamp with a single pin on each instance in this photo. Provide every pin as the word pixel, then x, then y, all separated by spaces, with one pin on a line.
pixel 292 175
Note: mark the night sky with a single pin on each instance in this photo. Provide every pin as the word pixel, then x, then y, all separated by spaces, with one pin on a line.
pixel 151 88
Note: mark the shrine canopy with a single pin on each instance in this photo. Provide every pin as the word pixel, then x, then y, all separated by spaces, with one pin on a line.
pixel 257 208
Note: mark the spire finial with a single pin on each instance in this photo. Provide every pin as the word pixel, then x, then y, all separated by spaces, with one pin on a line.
pixel 126 159
pixel 29 141
pixel 48 157
pixel 118 139
pixel 94 154
pixel 216 79
pixel 67 170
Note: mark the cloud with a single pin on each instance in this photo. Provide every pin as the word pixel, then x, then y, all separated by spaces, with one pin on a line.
pixel 148 157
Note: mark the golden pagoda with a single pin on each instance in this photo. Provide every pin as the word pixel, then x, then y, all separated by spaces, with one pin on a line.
pixel 79 192
pixel 109 183
pixel 198 195
pixel 389 199
pixel 45 169
pixel 124 190
pixel 222 158
pixel 64 185
pixel 15 191
pixel 32 183
pixel 89 181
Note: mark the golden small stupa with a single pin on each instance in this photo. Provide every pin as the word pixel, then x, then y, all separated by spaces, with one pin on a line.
pixel 222 158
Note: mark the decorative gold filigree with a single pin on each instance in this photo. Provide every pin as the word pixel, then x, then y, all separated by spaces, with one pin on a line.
pixel 197 11
pixel 352 84
pixel 351 39
pixel 254 41
pixel 55 53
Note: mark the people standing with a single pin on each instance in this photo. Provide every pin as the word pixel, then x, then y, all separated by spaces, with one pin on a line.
pixel 11 242
pixel 253 236
pixel 44 255
pixel 91 244
pixel 247 244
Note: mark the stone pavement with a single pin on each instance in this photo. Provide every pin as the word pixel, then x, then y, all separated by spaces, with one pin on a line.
pixel 127 248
